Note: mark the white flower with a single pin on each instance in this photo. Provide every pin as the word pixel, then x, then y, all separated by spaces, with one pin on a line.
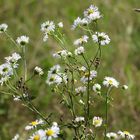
pixel 92 13
pixel 96 87
pixel 3 27
pixel 97 121
pixel 89 76
pixel 3 80
pixel 83 69
pixel 48 27
pixel 45 38
pixel 81 40
pixel 63 53
pixel 79 119
pixel 38 70
pixel 16 137
pixel 81 89
pixel 22 40
pixel 52 132
pixel 55 69
pixel 125 134
pixel 60 24
pixel 110 81
pixel 125 87
pixel 112 135
pixel 79 51
pixel 101 38
pixel 78 22
pixel 34 124
pixel 38 135
pixel 6 70
pixel 12 60
pixel 81 102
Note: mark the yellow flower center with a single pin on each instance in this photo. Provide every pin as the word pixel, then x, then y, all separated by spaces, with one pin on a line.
pixel 96 122
pixel 126 132
pixel 110 82
pixel 34 123
pixel 90 11
pixel 36 137
pixel 87 74
pixel 49 132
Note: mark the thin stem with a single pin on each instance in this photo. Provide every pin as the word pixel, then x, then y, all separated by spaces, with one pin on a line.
pixel 106 112
pixel 25 64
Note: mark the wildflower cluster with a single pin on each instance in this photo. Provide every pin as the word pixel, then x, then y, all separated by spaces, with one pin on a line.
pixel 76 81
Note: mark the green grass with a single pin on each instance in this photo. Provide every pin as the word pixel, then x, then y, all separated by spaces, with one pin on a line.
pixel 121 60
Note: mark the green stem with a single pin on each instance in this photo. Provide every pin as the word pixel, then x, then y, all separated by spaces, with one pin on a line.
pixel 25 64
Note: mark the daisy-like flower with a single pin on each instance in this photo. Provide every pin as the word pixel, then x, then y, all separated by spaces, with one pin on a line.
pixel 125 87
pixel 16 137
pixel 79 119
pixel 81 89
pixel 34 124
pixel 96 88
pixel 112 135
pixel 89 76
pixel 22 40
pixel 101 38
pixel 38 135
pixel 3 80
pixel 54 70
pixel 63 54
pixel 125 135
pixel 79 51
pixel 81 40
pixel 6 70
pixel 92 13
pixel 110 81
pixel 3 27
pixel 60 24
pixel 82 69
pixel 79 21
pixel 48 27
pixel 52 132
pixel 38 70
pixel 97 121
pixel 12 60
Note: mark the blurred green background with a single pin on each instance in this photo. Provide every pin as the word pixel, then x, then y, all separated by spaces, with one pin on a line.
pixel 121 60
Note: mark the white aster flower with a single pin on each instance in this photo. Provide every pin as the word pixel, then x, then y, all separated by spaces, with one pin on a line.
pixel 89 76
pixel 45 38
pixel 81 40
pixel 52 132
pixel 96 87
pixel 12 60
pixel 78 22
pixel 126 135
pixel 97 121
pixel 82 69
pixel 92 13
pixel 112 135
pixel 79 119
pixel 54 70
pixel 22 40
pixel 3 27
pixel 60 24
pixel 125 87
pixel 16 137
pixel 79 50
pixel 110 81
pixel 3 80
pixel 38 70
pixel 34 124
pixel 6 70
pixel 101 38
pixel 48 27
pixel 38 135
pixel 81 89
pixel 63 53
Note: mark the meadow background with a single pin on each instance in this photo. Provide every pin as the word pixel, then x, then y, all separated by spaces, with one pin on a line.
pixel 121 61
